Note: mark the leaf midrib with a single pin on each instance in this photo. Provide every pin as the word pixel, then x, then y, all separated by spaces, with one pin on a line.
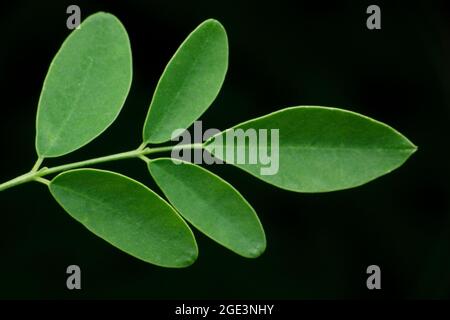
pixel 184 80
pixel 296 147
pixel 57 135
pixel 95 200
pixel 206 204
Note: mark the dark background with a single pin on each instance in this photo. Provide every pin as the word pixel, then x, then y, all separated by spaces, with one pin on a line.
pixel 282 54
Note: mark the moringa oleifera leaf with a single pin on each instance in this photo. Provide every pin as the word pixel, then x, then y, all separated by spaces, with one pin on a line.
pixel 85 87
pixel 190 82
pixel 321 149
pixel 126 214
pixel 211 204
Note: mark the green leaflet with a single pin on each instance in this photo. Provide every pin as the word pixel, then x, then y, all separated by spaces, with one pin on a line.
pixel 323 149
pixel 189 84
pixel 85 87
pixel 211 204
pixel 126 214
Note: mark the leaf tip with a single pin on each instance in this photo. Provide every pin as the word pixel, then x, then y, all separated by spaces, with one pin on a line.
pixel 257 250
pixel 214 24
pixel 213 21
pixel 190 258
pixel 412 147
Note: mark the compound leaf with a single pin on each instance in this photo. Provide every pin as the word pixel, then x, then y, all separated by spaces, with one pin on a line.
pixel 320 149
pixel 189 84
pixel 211 204
pixel 126 214
pixel 85 87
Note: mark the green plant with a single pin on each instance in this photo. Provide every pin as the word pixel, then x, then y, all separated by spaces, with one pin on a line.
pixel 321 149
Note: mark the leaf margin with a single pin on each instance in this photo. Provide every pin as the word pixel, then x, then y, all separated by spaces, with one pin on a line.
pixel 42 155
pixel 413 149
pixel 231 187
pixel 174 211
pixel 147 140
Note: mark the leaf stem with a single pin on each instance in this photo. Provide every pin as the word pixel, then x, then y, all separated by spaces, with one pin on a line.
pixel 42 180
pixel 36 174
pixel 142 146
pixel 37 164
pixel 145 159
pixel 27 177
pixel 84 163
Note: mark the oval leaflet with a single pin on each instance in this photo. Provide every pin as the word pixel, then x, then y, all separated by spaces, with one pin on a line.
pixel 322 149
pixel 126 214
pixel 211 204
pixel 85 87
pixel 190 82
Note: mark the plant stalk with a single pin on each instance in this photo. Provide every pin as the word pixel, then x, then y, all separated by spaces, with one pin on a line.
pixel 36 174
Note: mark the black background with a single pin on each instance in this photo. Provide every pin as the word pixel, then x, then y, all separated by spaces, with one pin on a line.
pixel 282 54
